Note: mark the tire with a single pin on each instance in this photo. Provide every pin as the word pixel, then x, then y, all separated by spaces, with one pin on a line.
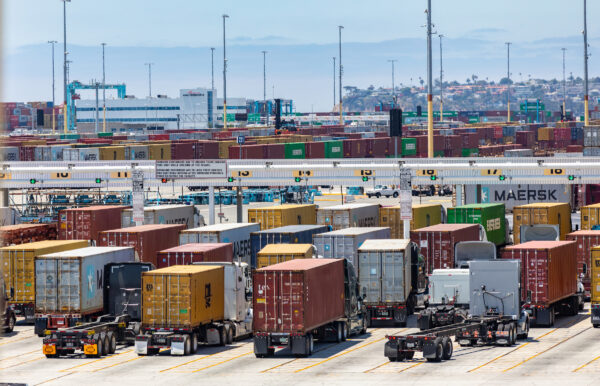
pixel 409 355
pixel 439 351
pixel 230 335
pixel 187 345
pixel 395 195
pixel 369 195
pixel 513 334
pixel 552 317
pixel 448 348
pixel 364 325
pixel 378 195
pixel 508 328
pixel 112 343
pixel 100 346
pixel 10 327
pixel 338 328
pixel 311 345
pixel 344 331
pixel 222 336
pixel 194 343
pixel 596 325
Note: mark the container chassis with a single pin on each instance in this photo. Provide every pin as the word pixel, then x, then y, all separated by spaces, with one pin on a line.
pixel 436 343
pixel 94 339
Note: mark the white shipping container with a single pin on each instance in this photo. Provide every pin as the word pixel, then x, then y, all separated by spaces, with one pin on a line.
pixel 449 286
pixel 72 282
pixel 384 271
pixel 238 234
pixel 163 214
pixel 349 215
pixel 89 154
pixel 344 243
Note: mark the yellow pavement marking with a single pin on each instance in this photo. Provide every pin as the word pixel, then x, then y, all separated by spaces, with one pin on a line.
pixel 411 367
pixel 498 357
pixel 22 363
pixel 293 360
pixel 94 361
pixel 16 340
pixel 219 363
pixel 582 366
pixel 20 355
pixel 121 363
pixel 192 361
pixel 53 379
pixel 376 367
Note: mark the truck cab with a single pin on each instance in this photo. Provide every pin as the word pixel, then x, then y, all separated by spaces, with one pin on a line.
pixel 382 190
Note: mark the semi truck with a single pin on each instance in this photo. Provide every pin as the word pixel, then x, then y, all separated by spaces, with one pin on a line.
pixel 299 301
pixel 187 305
pixel 595 287
pixel 8 318
pixel 119 324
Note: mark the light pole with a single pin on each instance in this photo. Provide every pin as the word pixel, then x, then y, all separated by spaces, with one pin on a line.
pixel 334 83
pixel 393 82
pixel 564 86
pixel 103 91
pixel 224 77
pixel 429 86
pixel 585 67
pixel 441 81
pixel 66 116
pixel 340 27
pixel 149 78
pixel 508 80
pixel 53 42
pixel 212 83
pixel 265 84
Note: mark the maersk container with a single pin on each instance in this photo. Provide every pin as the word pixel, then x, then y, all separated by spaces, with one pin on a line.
pixel 334 149
pixel 292 234
pixel 449 286
pixel 491 216
pixel 237 233
pixel 344 243
pixel 163 214
pixel 295 150
pixel 349 215
pixel 72 282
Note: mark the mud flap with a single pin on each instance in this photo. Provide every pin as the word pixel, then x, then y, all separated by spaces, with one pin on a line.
pixel 298 345
pixel 424 321
pixel 261 345
pixel 40 325
pixel 390 350
pixel 178 345
pixel 141 347
pixel 429 349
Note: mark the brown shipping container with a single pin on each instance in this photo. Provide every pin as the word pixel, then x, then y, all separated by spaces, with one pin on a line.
pixel 183 296
pixel 315 150
pixel 548 270
pixel 87 223
pixel 147 240
pixel 195 253
pixel 585 240
pixel 298 295
pixel 182 150
pixel 207 150
pixel 26 233
pixel 437 243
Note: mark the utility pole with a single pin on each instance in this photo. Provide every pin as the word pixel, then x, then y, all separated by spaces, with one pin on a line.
pixel 441 81
pixel 429 86
pixel 212 84
pixel 149 79
pixel 265 84
pixel 66 116
pixel 103 91
pixel 97 112
pixel 340 27
pixel 585 67
pixel 334 82
pixel 564 86
pixel 224 76
pixel 508 77
pixel 53 87
pixel 393 82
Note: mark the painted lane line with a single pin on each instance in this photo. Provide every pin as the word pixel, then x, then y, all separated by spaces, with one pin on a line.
pixel 582 366
pixel 411 367
pixel 20 355
pixel 94 361
pixel 192 361
pixel 220 363
pixel 22 363
pixel 54 379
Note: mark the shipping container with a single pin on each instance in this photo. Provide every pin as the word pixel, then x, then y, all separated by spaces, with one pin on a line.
pixel 207 150
pixel 595 287
pixel 87 223
pixel 344 243
pixel 449 286
pixel 295 151
pixel 315 150
pixel 287 214
pixel 128 276
pixel 182 296
pixel 187 254
pixel 112 153
pixel 163 214
pixel 349 215
pixel 18 267
pixel 9 153
pixel 424 215
pixel 72 282
pixel 278 253
pixel 159 151
pixel 437 243
pixel 548 276
pixel 26 233
pixel 334 149
pixel 586 240
pixel 137 152
pixel 237 233
pixel 490 216
pixel 314 288
pixel 292 234
pixel 590 216
pixel 542 213
pixel 182 150
pixel 147 240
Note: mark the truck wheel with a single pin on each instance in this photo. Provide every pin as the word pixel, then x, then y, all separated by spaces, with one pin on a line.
pixel 100 347
pixel 448 348
pixel 552 316
pixel 513 333
pixel 310 344
pixel 338 330
pixel 596 325
pixel 395 194
pixel 187 345
pixel 11 324
pixel 153 351
pixel 378 195
pixel 112 343
pixel 364 325
pixel 230 335
pixel 408 355
pixel 194 343
pixel 508 328
pixel 439 351
pixel 222 336
pixel 345 331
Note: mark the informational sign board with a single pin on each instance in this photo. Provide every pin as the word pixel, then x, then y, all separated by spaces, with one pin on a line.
pixel 405 180
pixel 191 169
pixel 406 205
pixel 137 189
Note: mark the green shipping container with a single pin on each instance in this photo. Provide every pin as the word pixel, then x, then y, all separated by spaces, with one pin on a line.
pixel 100 135
pixel 474 152
pixel 69 136
pixel 295 150
pixel 409 146
pixel 491 216
pixel 334 149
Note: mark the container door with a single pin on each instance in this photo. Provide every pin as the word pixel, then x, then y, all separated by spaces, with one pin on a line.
pixel 46 283
pixel 291 307
pixel 595 277
pixel 153 301
pixel 68 284
pixel 370 276
pixel 393 276
pixel 536 275
pixel 24 271
pixel 179 294
pixel 341 219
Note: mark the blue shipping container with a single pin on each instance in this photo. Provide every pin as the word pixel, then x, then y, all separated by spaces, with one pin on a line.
pixel 292 234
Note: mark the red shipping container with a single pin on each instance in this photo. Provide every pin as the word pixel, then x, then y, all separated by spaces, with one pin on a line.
pixel 26 233
pixel 453 142
pixel 570 149
pixel 195 253
pixel 158 137
pixel 355 148
pixel 26 153
pixel 548 270
pixel 275 151
pixel 525 138
pixel 437 243
pixel 315 150
pixel 298 296
pixel 182 150
pixel 585 241
pixel 248 152
pixel 379 147
pixel 207 150
pixel 87 223
pixel 147 240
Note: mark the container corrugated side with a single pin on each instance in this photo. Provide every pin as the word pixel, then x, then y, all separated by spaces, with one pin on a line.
pixel 192 253
pixel 278 253
pixel 282 215
pixel 585 240
pixel 590 216
pixel 162 214
pixel 542 213
pixel 595 276
pixel 351 215
pixel 424 215
pixel 491 216
pixel 87 223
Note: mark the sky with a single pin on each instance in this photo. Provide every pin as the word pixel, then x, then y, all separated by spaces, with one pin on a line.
pixel 475 31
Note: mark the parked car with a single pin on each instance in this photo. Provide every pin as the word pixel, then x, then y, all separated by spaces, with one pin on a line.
pixel 382 190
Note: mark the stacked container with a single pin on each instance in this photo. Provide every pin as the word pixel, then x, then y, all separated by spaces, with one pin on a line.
pixel 162 214
pixel 490 216
pixel 26 233
pixel 586 240
pixel 542 213
pixel 349 215
pixel 595 287
pixel 278 253
pixel 195 253
pixel 288 214
pixel 590 216
pixel 87 223
pixel 424 215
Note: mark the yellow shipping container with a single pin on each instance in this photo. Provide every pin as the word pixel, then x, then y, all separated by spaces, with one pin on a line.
pixel 34 142
pixel 278 253
pixel 542 213
pixel 159 151
pixel 224 148
pixel 112 153
pixel 546 134
pixel 183 296
pixel 424 215
pixel 590 216
pixel 281 215
pixel 595 275
pixel 18 265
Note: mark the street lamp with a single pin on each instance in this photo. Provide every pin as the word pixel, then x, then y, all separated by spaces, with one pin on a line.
pixel 430 153
pixel 393 82
pixel 334 83
pixel 224 76
pixel 340 27
pixel 265 84
pixel 441 81
pixel 585 67
pixel 564 85
pixel 149 78
pixel 508 79
pixel 53 42
pixel 66 116
pixel 103 91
